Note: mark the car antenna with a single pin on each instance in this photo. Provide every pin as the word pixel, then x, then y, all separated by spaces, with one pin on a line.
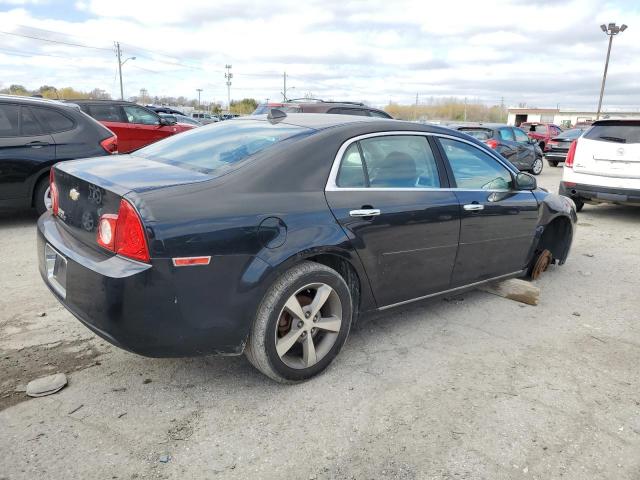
pixel 275 115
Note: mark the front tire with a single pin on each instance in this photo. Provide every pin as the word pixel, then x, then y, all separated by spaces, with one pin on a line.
pixel 537 166
pixel 42 196
pixel 301 323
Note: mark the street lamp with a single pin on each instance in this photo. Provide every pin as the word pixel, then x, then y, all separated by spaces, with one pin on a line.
pixel 611 30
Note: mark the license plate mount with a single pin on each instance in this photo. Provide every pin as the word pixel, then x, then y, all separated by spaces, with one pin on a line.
pixel 56 265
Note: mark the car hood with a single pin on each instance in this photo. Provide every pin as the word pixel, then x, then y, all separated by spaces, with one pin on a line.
pixel 126 173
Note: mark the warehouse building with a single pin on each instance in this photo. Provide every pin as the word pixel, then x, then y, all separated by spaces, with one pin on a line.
pixel 562 117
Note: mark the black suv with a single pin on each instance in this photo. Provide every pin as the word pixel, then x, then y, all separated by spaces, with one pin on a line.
pixel 511 142
pixel 314 105
pixel 35 134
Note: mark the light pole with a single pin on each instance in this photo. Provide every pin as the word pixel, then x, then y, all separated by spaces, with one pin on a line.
pixel 228 76
pixel 120 64
pixel 199 91
pixel 611 30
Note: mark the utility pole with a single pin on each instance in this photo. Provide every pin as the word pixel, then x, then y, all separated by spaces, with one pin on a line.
pixel 199 90
pixel 611 30
pixel 284 87
pixel 228 76
pixel 120 64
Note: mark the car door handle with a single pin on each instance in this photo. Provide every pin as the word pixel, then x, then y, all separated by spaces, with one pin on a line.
pixel 365 212
pixel 473 207
pixel 37 144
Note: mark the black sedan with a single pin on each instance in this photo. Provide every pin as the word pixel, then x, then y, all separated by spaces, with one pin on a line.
pixel 510 142
pixel 270 235
pixel 558 147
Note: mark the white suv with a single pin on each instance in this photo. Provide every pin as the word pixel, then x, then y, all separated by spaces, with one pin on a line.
pixel 604 164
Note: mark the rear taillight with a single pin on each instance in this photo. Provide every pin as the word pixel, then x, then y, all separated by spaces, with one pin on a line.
pixel 123 233
pixel 53 191
pixel 571 154
pixel 110 144
pixel 492 143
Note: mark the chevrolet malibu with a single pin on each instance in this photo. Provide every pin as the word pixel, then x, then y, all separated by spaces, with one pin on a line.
pixel 270 235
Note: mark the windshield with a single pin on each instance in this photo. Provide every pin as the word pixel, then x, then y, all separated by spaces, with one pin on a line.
pixel 478 133
pixel 619 132
pixel 216 147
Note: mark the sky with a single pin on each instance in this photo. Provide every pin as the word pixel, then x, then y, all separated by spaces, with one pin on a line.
pixel 544 53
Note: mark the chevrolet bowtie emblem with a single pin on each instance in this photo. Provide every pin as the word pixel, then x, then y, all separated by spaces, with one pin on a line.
pixel 74 194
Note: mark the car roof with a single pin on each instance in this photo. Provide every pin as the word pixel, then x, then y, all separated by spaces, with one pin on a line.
pixel 320 121
pixel 35 101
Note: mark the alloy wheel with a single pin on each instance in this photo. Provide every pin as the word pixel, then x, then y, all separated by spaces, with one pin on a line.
pixel 537 166
pixel 308 325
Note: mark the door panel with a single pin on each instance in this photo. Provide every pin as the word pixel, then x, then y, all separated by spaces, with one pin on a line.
pixel 409 249
pixel 498 223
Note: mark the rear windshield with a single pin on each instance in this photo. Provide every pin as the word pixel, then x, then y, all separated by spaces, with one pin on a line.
pixel 621 132
pixel 216 147
pixel 571 134
pixel 479 133
pixel 534 128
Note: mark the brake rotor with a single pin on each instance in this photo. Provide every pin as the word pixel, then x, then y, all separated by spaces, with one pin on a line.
pixel 542 263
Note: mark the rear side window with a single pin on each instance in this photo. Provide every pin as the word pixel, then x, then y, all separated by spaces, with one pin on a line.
pixel 106 113
pixel 375 113
pixel 9 124
pixel 52 121
pixel 394 161
pixel 474 169
pixel 216 148
pixel 28 123
pixel 620 132
pixel 521 137
pixel 506 134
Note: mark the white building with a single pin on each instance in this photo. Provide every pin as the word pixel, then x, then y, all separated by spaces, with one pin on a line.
pixel 562 117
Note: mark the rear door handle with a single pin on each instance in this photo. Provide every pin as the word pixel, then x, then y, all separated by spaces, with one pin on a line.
pixel 473 207
pixel 365 212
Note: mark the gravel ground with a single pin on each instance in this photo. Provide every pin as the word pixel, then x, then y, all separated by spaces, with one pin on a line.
pixel 469 387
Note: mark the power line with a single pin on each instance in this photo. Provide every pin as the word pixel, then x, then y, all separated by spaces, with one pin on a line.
pixel 54 41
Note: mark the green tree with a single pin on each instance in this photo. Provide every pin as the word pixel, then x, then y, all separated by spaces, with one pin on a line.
pixel 243 107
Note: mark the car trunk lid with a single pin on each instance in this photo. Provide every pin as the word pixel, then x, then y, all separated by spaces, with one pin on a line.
pixel 90 188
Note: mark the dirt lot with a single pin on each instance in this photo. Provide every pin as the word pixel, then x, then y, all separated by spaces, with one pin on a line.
pixel 469 387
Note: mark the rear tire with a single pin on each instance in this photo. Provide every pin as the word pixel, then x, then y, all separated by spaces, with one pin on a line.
pixel 552 163
pixel 537 166
pixel 41 196
pixel 314 343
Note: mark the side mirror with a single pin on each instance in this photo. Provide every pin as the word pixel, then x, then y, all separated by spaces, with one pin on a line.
pixel 526 181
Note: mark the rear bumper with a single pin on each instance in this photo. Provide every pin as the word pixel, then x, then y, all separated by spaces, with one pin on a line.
pixel 598 194
pixel 555 156
pixel 154 310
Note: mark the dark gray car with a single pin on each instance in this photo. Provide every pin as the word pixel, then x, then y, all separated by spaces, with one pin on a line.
pixel 511 142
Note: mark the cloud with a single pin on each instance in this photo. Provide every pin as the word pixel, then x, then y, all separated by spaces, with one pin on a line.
pixel 543 53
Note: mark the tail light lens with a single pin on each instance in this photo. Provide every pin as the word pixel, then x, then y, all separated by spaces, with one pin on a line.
pixel 492 143
pixel 123 233
pixel 53 190
pixel 110 144
pixel 571 154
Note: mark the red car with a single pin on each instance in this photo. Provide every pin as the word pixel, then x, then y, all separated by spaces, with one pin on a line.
pixel 134 125
pixel 541 132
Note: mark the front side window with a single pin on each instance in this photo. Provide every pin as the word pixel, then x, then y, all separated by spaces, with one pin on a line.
pixel 28 123
pixel 474 169
pixel 140 115
pixel 216 148
pixel 106 112
pixel 521 137
pixel 394 161
pixel 9 124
